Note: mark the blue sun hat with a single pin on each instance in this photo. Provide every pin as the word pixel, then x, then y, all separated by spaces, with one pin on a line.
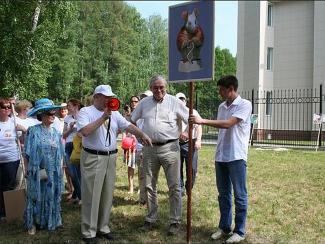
pixel 41 105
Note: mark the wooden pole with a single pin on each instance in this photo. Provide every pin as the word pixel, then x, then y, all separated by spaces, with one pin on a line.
pixel 21 179
pixel 189 168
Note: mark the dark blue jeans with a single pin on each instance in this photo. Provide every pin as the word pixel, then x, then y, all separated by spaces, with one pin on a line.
pixel 8 173
pixel 232 175
pixel 74 171
pixel 184 153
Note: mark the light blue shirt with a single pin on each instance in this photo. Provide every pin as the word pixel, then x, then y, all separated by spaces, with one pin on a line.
pixel 233 142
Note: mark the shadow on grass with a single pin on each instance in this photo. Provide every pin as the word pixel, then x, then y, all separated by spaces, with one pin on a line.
pixel 127 231
pixel 124 189
pixel 124 201
pixel 124 225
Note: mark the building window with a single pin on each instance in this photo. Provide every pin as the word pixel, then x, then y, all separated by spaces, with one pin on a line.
pixel 268 103
pixel 269 14
pixel 269 61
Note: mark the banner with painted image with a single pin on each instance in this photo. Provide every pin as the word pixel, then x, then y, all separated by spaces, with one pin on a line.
pixel 191 41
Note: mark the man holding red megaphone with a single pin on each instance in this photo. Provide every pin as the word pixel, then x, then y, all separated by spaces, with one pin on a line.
pixel 113 104
pixel 99 124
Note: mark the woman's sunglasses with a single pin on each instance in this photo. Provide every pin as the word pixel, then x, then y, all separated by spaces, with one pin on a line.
pixel 5 107
pixel 50 113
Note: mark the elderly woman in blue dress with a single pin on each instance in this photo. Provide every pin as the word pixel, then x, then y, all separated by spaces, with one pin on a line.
pixel 44 153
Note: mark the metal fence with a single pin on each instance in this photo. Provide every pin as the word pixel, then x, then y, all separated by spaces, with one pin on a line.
pixel 284 117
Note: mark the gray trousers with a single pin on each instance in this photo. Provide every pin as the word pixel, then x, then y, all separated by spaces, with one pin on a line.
pixel 97 186
pixel 166 156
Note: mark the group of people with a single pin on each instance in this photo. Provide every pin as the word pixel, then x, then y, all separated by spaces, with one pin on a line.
pixel 42 148
pixel 159 122
pixel 35 136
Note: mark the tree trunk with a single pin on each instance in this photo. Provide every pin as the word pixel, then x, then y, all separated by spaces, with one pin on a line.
pixel 82 70
pixel 35 16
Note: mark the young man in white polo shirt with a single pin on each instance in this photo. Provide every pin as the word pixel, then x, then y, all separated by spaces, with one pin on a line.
pixel 231 157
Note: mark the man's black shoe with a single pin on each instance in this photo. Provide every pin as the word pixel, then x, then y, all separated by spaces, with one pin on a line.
pixel 147 226
pixel 108 236
pixel 92 240
pixel 174 229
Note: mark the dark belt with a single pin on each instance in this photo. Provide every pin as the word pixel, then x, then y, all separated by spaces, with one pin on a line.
pixel 163 143
pixel 99 152
pixel 185 142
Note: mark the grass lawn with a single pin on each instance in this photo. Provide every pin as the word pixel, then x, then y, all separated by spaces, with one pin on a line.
pixel 286 204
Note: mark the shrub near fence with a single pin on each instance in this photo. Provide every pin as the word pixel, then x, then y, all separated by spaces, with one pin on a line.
pixel 285 117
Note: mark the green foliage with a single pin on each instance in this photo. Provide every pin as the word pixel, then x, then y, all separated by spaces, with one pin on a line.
pixel 79 45
pixel 26 63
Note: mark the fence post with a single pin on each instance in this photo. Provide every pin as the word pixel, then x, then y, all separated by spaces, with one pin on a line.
pixel 252 125
pixel 320 112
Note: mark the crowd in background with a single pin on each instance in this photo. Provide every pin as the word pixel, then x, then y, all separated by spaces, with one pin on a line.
pixel 48 140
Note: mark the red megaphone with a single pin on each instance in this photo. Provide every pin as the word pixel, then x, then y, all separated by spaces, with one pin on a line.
pixel 113 104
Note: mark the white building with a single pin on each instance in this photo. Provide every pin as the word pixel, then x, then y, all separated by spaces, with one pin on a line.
pixel 281 45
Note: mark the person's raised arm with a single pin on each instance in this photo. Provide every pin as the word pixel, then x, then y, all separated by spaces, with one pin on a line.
pixel 145 140
pixel 91 127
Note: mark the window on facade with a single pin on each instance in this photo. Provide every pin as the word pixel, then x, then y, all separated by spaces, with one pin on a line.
pixel 268 103
pixel 269 14
pixel 269 61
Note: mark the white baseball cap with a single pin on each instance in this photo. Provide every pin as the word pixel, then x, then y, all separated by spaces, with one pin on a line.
pixel 106 90
pixel 147 93
pixel 180 95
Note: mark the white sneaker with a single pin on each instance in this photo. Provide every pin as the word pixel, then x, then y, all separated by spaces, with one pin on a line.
pixel 219 234
pixel 235 238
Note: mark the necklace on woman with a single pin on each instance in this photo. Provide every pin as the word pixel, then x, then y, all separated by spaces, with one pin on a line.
pixel 47 135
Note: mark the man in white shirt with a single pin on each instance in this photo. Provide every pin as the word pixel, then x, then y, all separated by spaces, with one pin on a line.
pixel 99 126
pixel 161 116
pixel 196 136
pixel 58 123
pixel 231 157
pixel 139 159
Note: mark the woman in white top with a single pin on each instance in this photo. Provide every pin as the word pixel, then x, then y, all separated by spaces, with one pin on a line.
pixel 69 131
pixel 22 107
pixel 9 152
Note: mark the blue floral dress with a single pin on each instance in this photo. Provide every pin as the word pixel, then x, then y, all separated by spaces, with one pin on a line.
pixel 44 149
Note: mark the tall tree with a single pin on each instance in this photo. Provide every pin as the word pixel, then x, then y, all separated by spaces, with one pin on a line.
pixel 26 42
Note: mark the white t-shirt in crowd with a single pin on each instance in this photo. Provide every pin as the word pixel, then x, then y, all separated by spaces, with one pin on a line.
pixel 67 121
pixel 195 126
pixel 140 126
pixel 27 122
pixel 233 142
pixel 58 124
pixel 97 140
pixel 8 146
